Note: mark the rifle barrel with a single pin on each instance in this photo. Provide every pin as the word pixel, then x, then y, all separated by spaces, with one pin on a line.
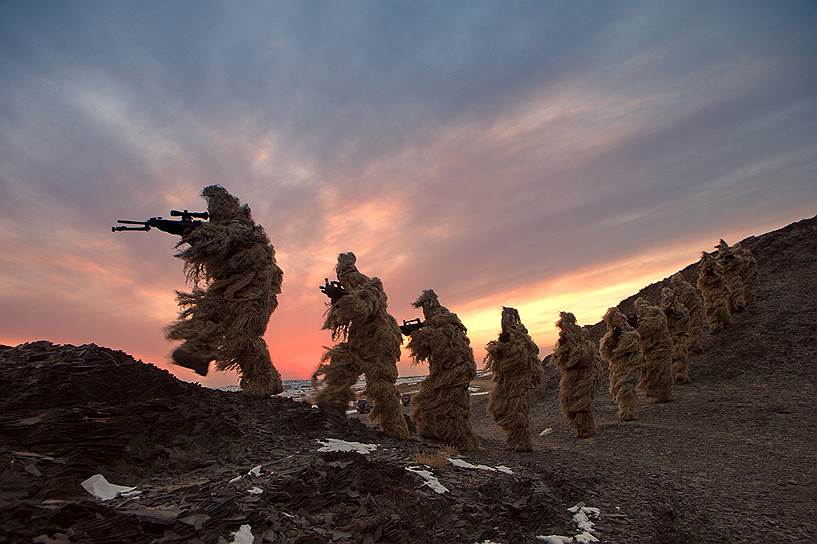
pixel 125 222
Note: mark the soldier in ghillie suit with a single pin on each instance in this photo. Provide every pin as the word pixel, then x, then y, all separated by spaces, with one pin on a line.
pixel 442 409
pixel 748 272
pixel 690 297
pixel 656 345
pixel 621 348
pixel 225 320
pixel 370 345
pixel 732 275
pixel 575 355
pixel 517 371
pixel 715 293
pixel 678 326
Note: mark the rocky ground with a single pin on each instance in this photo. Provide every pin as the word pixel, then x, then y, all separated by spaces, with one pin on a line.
pixel 731 460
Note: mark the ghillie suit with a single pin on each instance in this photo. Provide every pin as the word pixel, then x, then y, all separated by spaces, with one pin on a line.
pixel 678 326
pixel 370 344
pixel 621 348
pixel 656 345
pixel 575 355
pixel 748 272
pixel 442 409
pixel 517 371
pixel 694 302
pixel 225 320
pixel 715 293
pixel 732 275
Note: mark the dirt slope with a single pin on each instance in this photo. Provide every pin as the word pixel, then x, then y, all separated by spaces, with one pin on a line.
pixel 731 460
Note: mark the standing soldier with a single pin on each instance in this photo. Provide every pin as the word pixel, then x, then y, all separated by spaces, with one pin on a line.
pixel 575 355
pixel 370 344
pixel 517 371
pixel 226 319
pixel 621 348
pixel 442 409
pixel 748 272
pixel 656 346
pixel 694 302
pixel 678 325
pixel 715 293
pixel 732 275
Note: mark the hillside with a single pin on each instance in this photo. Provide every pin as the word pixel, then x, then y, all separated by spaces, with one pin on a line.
pixel 731 460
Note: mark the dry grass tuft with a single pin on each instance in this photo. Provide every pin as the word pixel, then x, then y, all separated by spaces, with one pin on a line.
pixel 435 460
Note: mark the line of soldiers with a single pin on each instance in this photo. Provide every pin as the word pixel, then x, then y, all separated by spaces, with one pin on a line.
pixel 650 348
pixel 224 321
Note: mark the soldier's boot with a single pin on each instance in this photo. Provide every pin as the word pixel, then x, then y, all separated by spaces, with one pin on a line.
pixel 193 356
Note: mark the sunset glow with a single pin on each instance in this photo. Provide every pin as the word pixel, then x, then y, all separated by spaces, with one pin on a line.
pixel 500 162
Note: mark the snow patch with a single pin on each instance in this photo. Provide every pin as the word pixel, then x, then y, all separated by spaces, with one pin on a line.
pixel 430 480
pixel 243 535
pixel 581 517
pixel 255 490
pixel 545 432
pixel 333 444
pixel 462 463
pixel 254 472
pixel 102 489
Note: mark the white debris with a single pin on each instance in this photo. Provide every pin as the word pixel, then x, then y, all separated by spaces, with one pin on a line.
pixel 480 393
pixel 555 539
pixel 430 480
pixel 333 444
pixel 255 490
pixel 545 432
pixel 102 489
pixel 254 471
pixel 243 535
pixel 462 463
pixel 581 517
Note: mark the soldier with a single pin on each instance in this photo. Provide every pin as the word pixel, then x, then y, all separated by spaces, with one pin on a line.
pixel 225 320
pixel 517 371
pixel 732 276
pixel 748 272
pixel 715 293
pixel 621 348
pixel 678 325
pixel 656 345
pixel 575 355
pixel 370 344
pixel 690 297
pixel 442 409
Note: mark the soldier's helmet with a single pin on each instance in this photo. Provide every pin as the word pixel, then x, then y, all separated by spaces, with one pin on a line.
pixel 348 274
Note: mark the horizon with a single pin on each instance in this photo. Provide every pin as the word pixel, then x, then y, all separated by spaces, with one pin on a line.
pixel 538 156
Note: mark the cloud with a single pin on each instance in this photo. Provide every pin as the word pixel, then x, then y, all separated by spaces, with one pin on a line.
pixel 525 153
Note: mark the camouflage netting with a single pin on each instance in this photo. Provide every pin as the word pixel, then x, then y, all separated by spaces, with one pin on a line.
pixel 575 355
pixel 694 302
pixel 517 371
pixel 621 348
pixel 370 345
pixel 678 326
pixel 732 275
pixel 442 409
pixel 748 272
pixel 225 320
pixel 656 345
pixel 715 293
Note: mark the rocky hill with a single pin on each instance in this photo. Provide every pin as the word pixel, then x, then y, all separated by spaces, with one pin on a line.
pixel 731 460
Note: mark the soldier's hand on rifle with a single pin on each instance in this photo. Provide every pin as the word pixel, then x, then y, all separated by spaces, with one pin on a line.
pixel 332 289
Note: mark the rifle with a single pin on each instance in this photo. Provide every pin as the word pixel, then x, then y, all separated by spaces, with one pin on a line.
pixel 332 289
pixel 166 225
pixel 411 325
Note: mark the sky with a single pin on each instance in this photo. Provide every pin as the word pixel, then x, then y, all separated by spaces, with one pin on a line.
pixel 544 155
